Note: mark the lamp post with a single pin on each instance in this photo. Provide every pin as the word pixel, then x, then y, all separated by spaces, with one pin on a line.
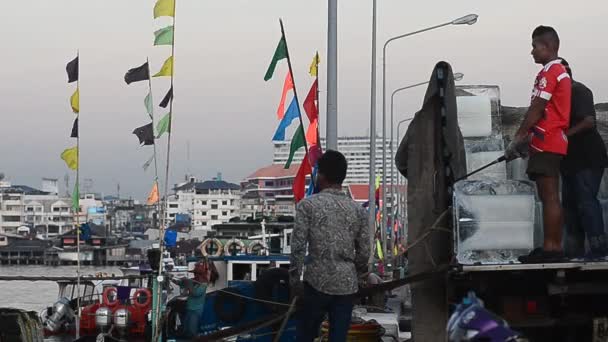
pixel 457 77
pixel 469 19
pixel 371 206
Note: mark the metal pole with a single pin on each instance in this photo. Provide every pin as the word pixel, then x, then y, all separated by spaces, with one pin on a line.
pixel 372 134
pixel 332 75
pixel 384 221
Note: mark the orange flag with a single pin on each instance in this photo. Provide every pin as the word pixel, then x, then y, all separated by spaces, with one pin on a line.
pixel 153 197
pixel 287 86
pixel 312 133
pixel 299 183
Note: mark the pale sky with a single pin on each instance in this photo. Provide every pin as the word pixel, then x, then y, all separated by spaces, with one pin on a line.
pixel 222 105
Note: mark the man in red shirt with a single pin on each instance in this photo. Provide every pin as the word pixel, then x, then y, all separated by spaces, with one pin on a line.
pixel 544 128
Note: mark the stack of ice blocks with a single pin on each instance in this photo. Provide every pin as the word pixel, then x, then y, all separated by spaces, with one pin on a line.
pixel 493 216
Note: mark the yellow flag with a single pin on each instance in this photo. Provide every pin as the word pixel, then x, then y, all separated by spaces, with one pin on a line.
pixel 379 250
pixel 164 8
pixel 166 69
pixel 153 197
pixel 70 156
pixel 313 66
pixel 75 101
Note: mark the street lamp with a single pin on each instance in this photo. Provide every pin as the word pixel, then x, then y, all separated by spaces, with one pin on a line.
pixel 469 19
pixel 457 77
pixel 399 200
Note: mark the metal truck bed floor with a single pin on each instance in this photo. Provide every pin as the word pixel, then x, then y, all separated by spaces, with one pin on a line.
pixel 583 266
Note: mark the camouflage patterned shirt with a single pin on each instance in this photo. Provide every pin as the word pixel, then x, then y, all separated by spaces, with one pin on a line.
pixel 334 228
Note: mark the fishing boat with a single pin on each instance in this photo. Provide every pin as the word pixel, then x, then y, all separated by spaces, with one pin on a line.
pixel 114 308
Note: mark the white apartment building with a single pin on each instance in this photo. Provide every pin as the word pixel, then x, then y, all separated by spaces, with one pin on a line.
pixel 42 211
pixel 207 203
pixel 356 149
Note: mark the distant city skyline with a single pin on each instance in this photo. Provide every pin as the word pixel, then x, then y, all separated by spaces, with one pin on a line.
pixel 223 108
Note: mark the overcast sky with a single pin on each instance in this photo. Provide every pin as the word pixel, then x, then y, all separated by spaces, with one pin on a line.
pixel 222 107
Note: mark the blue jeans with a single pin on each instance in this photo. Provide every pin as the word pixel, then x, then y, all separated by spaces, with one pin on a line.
pixel 191 323
pixel 312 310
pixel 583 213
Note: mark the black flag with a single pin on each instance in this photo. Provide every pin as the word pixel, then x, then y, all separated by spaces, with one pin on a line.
pixel 145 134
pixel 72 69
pixel 167 98
pixel 74 129
pixel 140 73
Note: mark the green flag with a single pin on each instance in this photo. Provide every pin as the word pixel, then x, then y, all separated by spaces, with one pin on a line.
pixel 163 125
pixel 76 199
pixel 164 36
pixel 279 53
pixel 296 142
pixel 148 104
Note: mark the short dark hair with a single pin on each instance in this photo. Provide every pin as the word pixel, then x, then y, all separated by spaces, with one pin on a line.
pixel 567 66
pixel 333 166
pixel 548 34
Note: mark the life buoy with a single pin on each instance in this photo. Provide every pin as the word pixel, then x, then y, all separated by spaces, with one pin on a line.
pixel 256 248
pixel 106 296
pixel 138 294
pixel 228 307
pixel 273 286
pixel 234 246
pixel 208 250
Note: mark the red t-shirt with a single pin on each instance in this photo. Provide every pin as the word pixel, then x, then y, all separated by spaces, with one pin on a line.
pixel 554 85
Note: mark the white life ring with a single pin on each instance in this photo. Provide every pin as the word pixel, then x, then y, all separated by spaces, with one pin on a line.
pixel 205 247
pixel 256 248
pixel 231 243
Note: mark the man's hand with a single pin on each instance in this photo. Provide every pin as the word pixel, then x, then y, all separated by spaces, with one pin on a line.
pixel 518 148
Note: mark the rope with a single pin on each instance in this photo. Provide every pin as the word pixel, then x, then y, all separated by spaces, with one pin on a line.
pixel 247 297
pixel 277 338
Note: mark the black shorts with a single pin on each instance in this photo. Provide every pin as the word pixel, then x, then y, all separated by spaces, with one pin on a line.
pixel 544 164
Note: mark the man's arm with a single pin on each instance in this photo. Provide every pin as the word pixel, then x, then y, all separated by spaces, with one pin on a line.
pixel 362 244
pixel 299 240
pixel 534 113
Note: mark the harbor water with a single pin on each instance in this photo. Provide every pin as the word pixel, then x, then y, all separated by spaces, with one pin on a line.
pixel 37 295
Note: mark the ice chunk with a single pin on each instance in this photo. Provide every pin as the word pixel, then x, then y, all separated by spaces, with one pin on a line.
pixel 479 159
pixel 494 220
pixel 474 116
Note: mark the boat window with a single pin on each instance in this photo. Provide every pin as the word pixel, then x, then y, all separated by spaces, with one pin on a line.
pixel 241 272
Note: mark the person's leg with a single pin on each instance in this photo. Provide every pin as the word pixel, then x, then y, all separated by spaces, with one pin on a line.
pixel 548 191
pixel 311 311
pixel 574 239
pixel 340 313
pixel 191 324
pixel 589 208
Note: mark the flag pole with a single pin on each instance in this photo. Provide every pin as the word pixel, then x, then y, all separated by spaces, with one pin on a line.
pixel 318 104
pixel 295 92
pixel 161 232
pixel 153 145
pixel 78 199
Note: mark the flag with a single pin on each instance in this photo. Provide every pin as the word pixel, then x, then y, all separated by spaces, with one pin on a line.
pixel 164 8
pixel 74 133
pixel 153 197
pixel 163 125
pixel 145 134
pixel 140 73
pixel 76 199
pixel 149 105
pixel 312 135
pixel 70 156
pixel 148 162
pixel 164 36
pixel 293 112
pixel 310 103
pixel 379 250
pixel 296 142
pixel 279 53
pixel 314 65
pixel 287 86
pixel 75 101
pixel 377 194
pixel 312 189
pixel 167 98
pixel 72 69
pixel 167 68
pixel 299 183
pixel 314 153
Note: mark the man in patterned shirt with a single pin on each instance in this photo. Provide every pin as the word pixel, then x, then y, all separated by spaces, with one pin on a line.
pixel 334 229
